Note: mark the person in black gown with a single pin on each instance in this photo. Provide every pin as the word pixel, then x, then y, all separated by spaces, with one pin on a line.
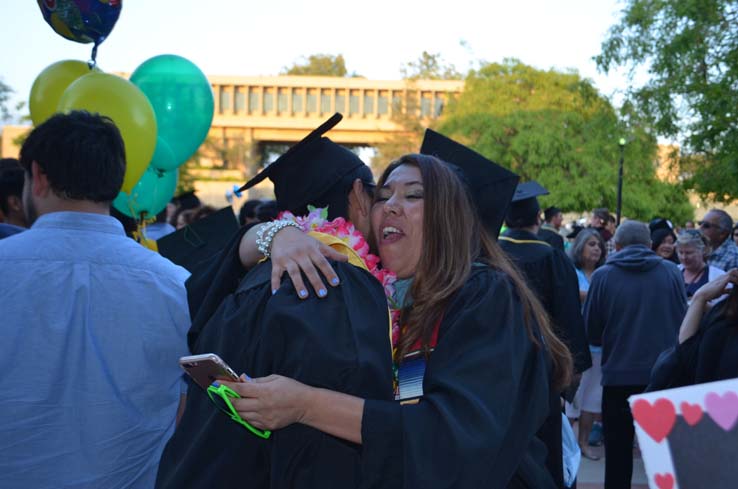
pixel 552 276
pixel 336 341
pixel 473 374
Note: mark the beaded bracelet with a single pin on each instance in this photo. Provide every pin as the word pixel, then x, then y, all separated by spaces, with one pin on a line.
pixel 264 243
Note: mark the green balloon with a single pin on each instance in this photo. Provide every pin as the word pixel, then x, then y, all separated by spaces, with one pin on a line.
pixel 183 103
pixel 150 195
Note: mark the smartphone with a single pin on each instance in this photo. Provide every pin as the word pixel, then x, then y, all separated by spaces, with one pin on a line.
pixel 207 368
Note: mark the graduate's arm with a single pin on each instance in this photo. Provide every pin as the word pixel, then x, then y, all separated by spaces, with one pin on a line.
pixel 567 313
pixel 275 402
pixel 293 252
pixel 700 303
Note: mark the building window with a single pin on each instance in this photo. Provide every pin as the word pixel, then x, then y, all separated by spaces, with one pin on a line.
pixel 397 102
pixel 268 100
pixel 225 100
pixel 312 101
pixel 297 101
pixel 282 101
pixel 325 102
pixel 425 105
pixel 340 101
pixel 354 102
pixel 382 103
pixel 240 100
pixel 438 106
pixel 253 100
pixel 368 103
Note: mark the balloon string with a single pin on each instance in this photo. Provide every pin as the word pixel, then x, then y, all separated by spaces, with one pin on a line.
pixel 93 62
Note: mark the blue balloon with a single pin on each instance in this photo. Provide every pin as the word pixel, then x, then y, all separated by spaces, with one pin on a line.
pixel 149 196
pixel 82 21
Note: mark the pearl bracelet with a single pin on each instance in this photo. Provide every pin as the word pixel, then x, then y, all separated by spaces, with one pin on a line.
pixel 266 233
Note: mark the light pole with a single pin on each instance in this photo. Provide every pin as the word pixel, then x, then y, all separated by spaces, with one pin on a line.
pixel 621 143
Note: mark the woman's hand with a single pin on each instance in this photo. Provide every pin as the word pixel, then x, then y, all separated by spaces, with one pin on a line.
pixel 293 251
pixel 270 403
pixel 716 288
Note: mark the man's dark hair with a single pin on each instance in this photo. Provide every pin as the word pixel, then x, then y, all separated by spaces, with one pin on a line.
pixel 267 211
pixel 550 213
pixel 248 210
pixel 81 154
pixel 11 181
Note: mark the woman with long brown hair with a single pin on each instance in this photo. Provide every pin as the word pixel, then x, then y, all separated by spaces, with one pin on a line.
pixel 473 352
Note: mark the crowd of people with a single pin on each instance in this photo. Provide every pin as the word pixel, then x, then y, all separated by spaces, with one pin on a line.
pixel 390 334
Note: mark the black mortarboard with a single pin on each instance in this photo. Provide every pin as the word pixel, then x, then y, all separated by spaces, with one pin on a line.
pixel 525 208
pixel 200 240
pixel 309 172
pixel 659 223
pixel 491 185
pixel 575 230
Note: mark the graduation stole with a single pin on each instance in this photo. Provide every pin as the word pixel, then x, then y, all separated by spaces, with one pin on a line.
pixel 410 372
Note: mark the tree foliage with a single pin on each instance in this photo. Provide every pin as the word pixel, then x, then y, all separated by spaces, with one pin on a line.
pixel 557 129
pixel 5 92
pixel 429 66
pixel 319 65
pixel 690 50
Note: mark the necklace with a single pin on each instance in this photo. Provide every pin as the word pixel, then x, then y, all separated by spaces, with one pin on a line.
pixel 695 277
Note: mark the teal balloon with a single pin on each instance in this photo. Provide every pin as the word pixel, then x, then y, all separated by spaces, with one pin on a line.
pixel 149 196
pixel 183 103
pixel 163 158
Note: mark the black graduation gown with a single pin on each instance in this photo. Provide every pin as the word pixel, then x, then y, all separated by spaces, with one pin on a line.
pixel 550 274
pixel 551 237
pixel 486 393
pixel 340 342
pixel 708 356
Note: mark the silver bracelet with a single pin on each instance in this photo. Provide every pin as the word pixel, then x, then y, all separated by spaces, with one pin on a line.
pixel 265 235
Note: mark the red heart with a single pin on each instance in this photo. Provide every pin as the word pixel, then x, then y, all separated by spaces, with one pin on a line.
pixel 656 420
pixel 692 413
pixel 664 481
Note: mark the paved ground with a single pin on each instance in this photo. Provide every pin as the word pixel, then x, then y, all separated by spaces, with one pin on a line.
pixel 592 473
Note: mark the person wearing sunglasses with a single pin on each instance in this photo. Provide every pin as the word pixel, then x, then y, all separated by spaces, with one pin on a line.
pixel 717 226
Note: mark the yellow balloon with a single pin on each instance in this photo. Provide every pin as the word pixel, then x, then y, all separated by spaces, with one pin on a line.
pixel 50 84
pixel 127 106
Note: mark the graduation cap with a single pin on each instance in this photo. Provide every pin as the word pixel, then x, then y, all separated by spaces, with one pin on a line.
pixel 525 207
pixel 660 223
pixel 200 240
pixel 308 173
pixel 491 185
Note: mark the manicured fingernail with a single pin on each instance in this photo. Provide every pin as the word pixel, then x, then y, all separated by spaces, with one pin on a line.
pixel 215 383
pixel 322 292
pixel 303 293
pixel 246 377
pixel 274 291
pixel 334 280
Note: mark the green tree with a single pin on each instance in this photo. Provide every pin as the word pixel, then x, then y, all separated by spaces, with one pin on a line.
pixel 556 128
pixel 429 66
pixel 5 92
pixel 689 48
pixel 319 65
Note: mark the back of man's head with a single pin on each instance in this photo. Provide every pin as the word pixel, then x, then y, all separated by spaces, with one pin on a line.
pixel 81 154
pixel 632 233
pixel 11 182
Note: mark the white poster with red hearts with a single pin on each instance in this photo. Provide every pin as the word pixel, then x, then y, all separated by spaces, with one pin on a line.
pixel 689 436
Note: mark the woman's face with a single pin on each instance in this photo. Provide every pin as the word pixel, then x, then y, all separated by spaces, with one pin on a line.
pixel 397 220
pixel 666 248
pixel 690 257
pixel 591 253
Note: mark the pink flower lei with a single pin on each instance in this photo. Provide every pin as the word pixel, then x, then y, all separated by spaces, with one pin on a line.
pixel 317 220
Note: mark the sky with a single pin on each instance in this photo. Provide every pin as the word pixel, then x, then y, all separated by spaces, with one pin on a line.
pixel 247 37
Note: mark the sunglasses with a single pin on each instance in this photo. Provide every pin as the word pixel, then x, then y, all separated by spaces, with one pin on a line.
pixel 221 396
pixel 708 225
